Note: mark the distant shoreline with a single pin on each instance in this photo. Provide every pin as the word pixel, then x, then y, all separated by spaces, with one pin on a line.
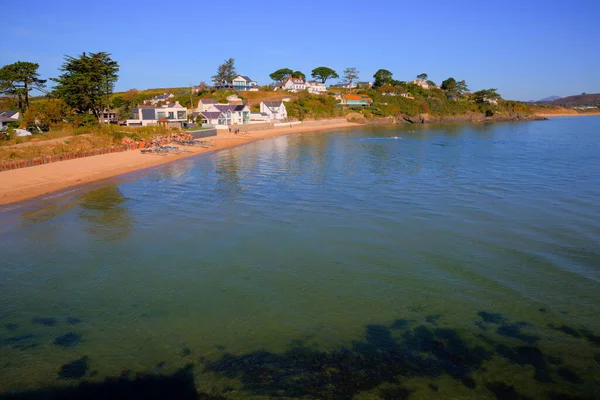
pixel 553 115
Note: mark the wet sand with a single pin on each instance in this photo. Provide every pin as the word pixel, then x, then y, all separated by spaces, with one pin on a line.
pixel 26 183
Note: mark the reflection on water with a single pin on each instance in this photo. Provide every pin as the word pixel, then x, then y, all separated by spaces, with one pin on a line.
pixel 455 262
pixel 105 211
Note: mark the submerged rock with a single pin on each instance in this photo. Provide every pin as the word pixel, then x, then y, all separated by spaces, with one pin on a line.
pixel 75 369
pixel 70 339
pixel 46 321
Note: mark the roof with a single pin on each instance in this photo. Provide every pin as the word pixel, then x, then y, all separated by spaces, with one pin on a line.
pixel 163 96
pixel 245 77
pixel 208 101
pixel 8 113
pixel 357 97
pixel 229 107
pixel 6 119
pixel 273 103
pixel 211 114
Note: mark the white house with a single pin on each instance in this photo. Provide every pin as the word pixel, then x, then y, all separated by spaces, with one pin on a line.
pixel 421 82
pixel 243 83
pixel 274 109
pixel 205 104
pixel 171 114
pixel 315 87
pixel 163 97
pixel 294 85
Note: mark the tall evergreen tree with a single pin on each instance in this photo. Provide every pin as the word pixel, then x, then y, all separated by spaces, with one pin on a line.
pixel 225 74
pixel 87 82
pixel 19 79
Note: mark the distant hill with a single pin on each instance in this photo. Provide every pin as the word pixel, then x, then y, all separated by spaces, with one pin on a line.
pixel 550 98
pixel 577 100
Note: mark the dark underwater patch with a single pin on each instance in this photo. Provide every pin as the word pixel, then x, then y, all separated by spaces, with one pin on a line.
pixel 491 318
pixel 73 320
pixel 568 375
pixel 433 319
pixel 75 369
pixel 339 374
pixel 22 342
pixel 565 329
pixel 590 336
pixel 514 331
pixel 400 324
pixel 395 393
pixel 11 327
pixel 527 355
pixel 46 321
pixel 186 351
pixel 597 358
pixel 70 339
pixel 503 391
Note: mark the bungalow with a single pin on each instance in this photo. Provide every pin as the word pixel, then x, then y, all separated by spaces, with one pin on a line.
pixel 344 85
pixel 294 85
pixel 225 115
pixel 173 115
pixel 157 99
pixel 274 109
pixel 243 83
pixel 7 117
pixel 108 116
pixel 259 117
pixel 356 100
pixel 364 84
pixel 315 87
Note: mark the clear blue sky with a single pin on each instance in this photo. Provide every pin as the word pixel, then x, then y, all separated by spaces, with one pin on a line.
pixel 528 49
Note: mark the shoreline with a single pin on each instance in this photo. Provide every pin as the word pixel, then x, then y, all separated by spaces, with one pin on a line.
pixel 28 183
pixel 554 115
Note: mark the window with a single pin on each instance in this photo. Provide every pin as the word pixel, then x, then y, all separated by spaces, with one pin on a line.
pixel 180 114
pixel 135 114
pixel 171 115
pixel 160 114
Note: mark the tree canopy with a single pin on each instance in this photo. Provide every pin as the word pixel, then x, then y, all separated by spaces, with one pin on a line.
pixel 18 79
pixel 451 86
pixel 281 74
pixel 225 74
pixel 87 82
pixel 299 74
pixel 382 77
pixel 422 76
pixel 350 75
pixel 324 73
pixel 485 95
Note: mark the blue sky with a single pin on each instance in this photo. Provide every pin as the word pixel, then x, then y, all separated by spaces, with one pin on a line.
pixel 527 49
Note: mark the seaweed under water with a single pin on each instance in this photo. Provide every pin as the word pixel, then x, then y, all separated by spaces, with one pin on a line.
pixel 385 362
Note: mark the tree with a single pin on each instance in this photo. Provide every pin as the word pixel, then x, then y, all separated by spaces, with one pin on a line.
pixel 350 75
pixel 382 77
pixel 46 113
pixel 87 82
pixel 486 96
pixel 324 73
pixel 281 74
pixel 299 74
pixel 225 74
pixel 422 76
pixel 451 86
pixel 19 79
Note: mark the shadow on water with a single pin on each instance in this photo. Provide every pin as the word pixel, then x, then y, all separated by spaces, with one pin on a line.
pixel 392 361
pixel 179 385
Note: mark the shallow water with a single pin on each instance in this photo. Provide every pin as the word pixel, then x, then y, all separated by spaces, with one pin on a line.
pixel 443 262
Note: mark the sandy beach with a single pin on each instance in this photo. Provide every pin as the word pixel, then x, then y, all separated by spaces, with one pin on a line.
pixel 26 183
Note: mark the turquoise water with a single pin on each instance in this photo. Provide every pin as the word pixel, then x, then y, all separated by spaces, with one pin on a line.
pixel 396 262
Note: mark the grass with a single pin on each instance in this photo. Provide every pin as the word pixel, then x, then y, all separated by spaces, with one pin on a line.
pixel 79 139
